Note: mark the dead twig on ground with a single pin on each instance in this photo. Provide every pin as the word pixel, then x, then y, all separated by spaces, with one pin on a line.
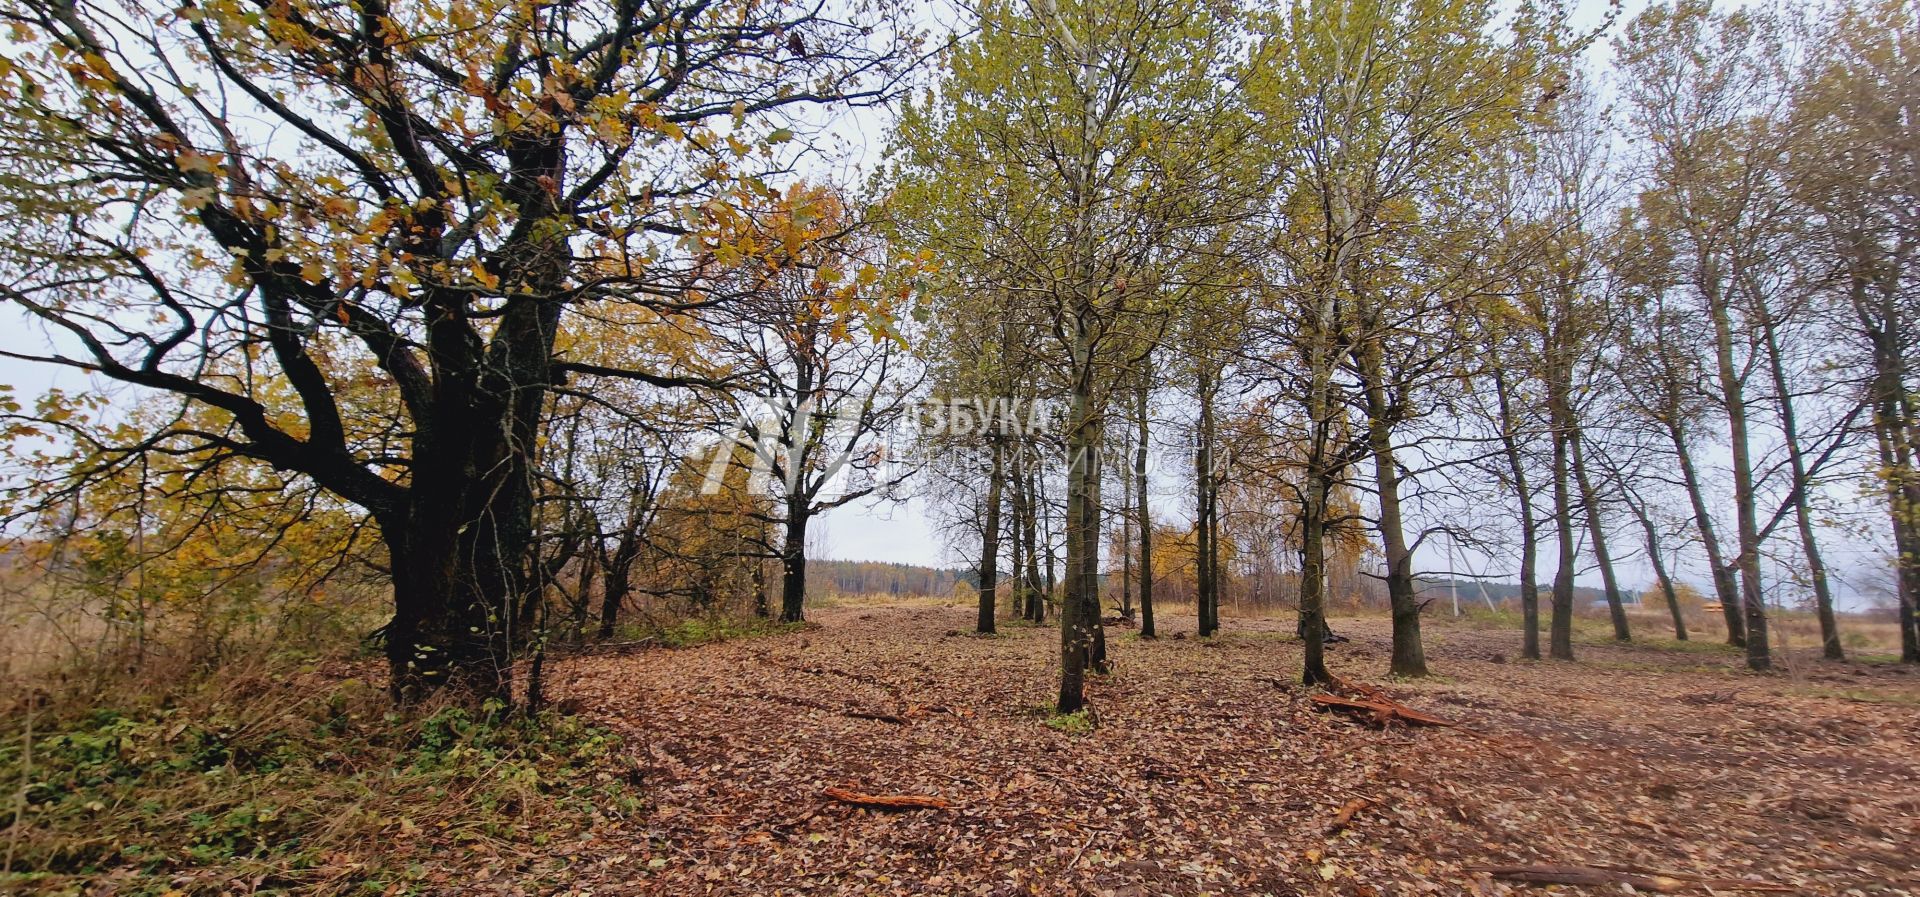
pixel 886 801
pixel 1380 714
pixel 1638 879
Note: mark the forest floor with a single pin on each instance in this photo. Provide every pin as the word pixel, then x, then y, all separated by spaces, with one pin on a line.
pixel 1208 772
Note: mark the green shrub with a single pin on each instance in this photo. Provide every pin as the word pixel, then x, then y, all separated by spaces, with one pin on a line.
pixel 306 785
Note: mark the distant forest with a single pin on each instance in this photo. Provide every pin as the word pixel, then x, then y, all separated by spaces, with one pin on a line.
pixel 883 578
pixel 1500 592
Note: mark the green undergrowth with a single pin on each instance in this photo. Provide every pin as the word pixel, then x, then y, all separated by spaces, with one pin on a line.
pixel 287 784
pixel 1079 722
pixel 696 631
pixel 1690 646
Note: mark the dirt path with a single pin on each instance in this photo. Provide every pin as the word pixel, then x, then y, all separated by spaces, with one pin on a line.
pixel 1208 773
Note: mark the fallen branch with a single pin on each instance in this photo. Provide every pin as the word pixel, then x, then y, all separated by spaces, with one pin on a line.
pixel 1362 690
pixel 1344 817
pixel 855 712
pixel 886 801
pixel 1380 713
pixel 1638 879
pixel 592 648
pixel 1083 849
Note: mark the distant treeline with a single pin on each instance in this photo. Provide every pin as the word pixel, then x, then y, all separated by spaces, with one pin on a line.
pixel 882 578
pixel 1500 592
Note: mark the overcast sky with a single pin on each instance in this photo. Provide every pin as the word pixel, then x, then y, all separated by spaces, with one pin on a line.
pixel 903 531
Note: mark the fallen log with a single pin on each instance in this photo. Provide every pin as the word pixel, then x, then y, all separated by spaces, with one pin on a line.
pixel 1380 713
pixel 1638 879
pixel 886 801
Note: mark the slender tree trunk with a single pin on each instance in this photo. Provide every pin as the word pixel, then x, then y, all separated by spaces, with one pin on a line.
pixel 1657 559
pixel 1560 640
pixel 1324 461
pixel 618 581
pixel 1017 592
pixel 1529 527
pixel 1671 594
pixel 758 582
pixel 1140 491
pixel 1596 531
pixel 1126 541
pixel 1906 539
pixel 1046 539
pixel 1036 605
pixel 1205 600
pixel 1094 509
pixel 583 594
pixel 990 541
pixel 1830 646
pixel 1725 589
pixel 1747 562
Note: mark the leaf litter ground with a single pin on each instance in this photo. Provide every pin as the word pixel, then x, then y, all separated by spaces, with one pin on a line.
pixel 1209 772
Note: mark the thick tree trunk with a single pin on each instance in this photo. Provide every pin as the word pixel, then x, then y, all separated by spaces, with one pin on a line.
pixel 1596 531
pixel 990 541
pixel 461 561
pixel 793 567
pixel 1079 614
pixel 613 594
pixel 1877 302
pixel 1409 654
pixel 446 630
pixel 1313 579
pixel 1903 502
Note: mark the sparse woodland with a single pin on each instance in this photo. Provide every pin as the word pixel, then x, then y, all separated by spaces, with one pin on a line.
pixel 1381 446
